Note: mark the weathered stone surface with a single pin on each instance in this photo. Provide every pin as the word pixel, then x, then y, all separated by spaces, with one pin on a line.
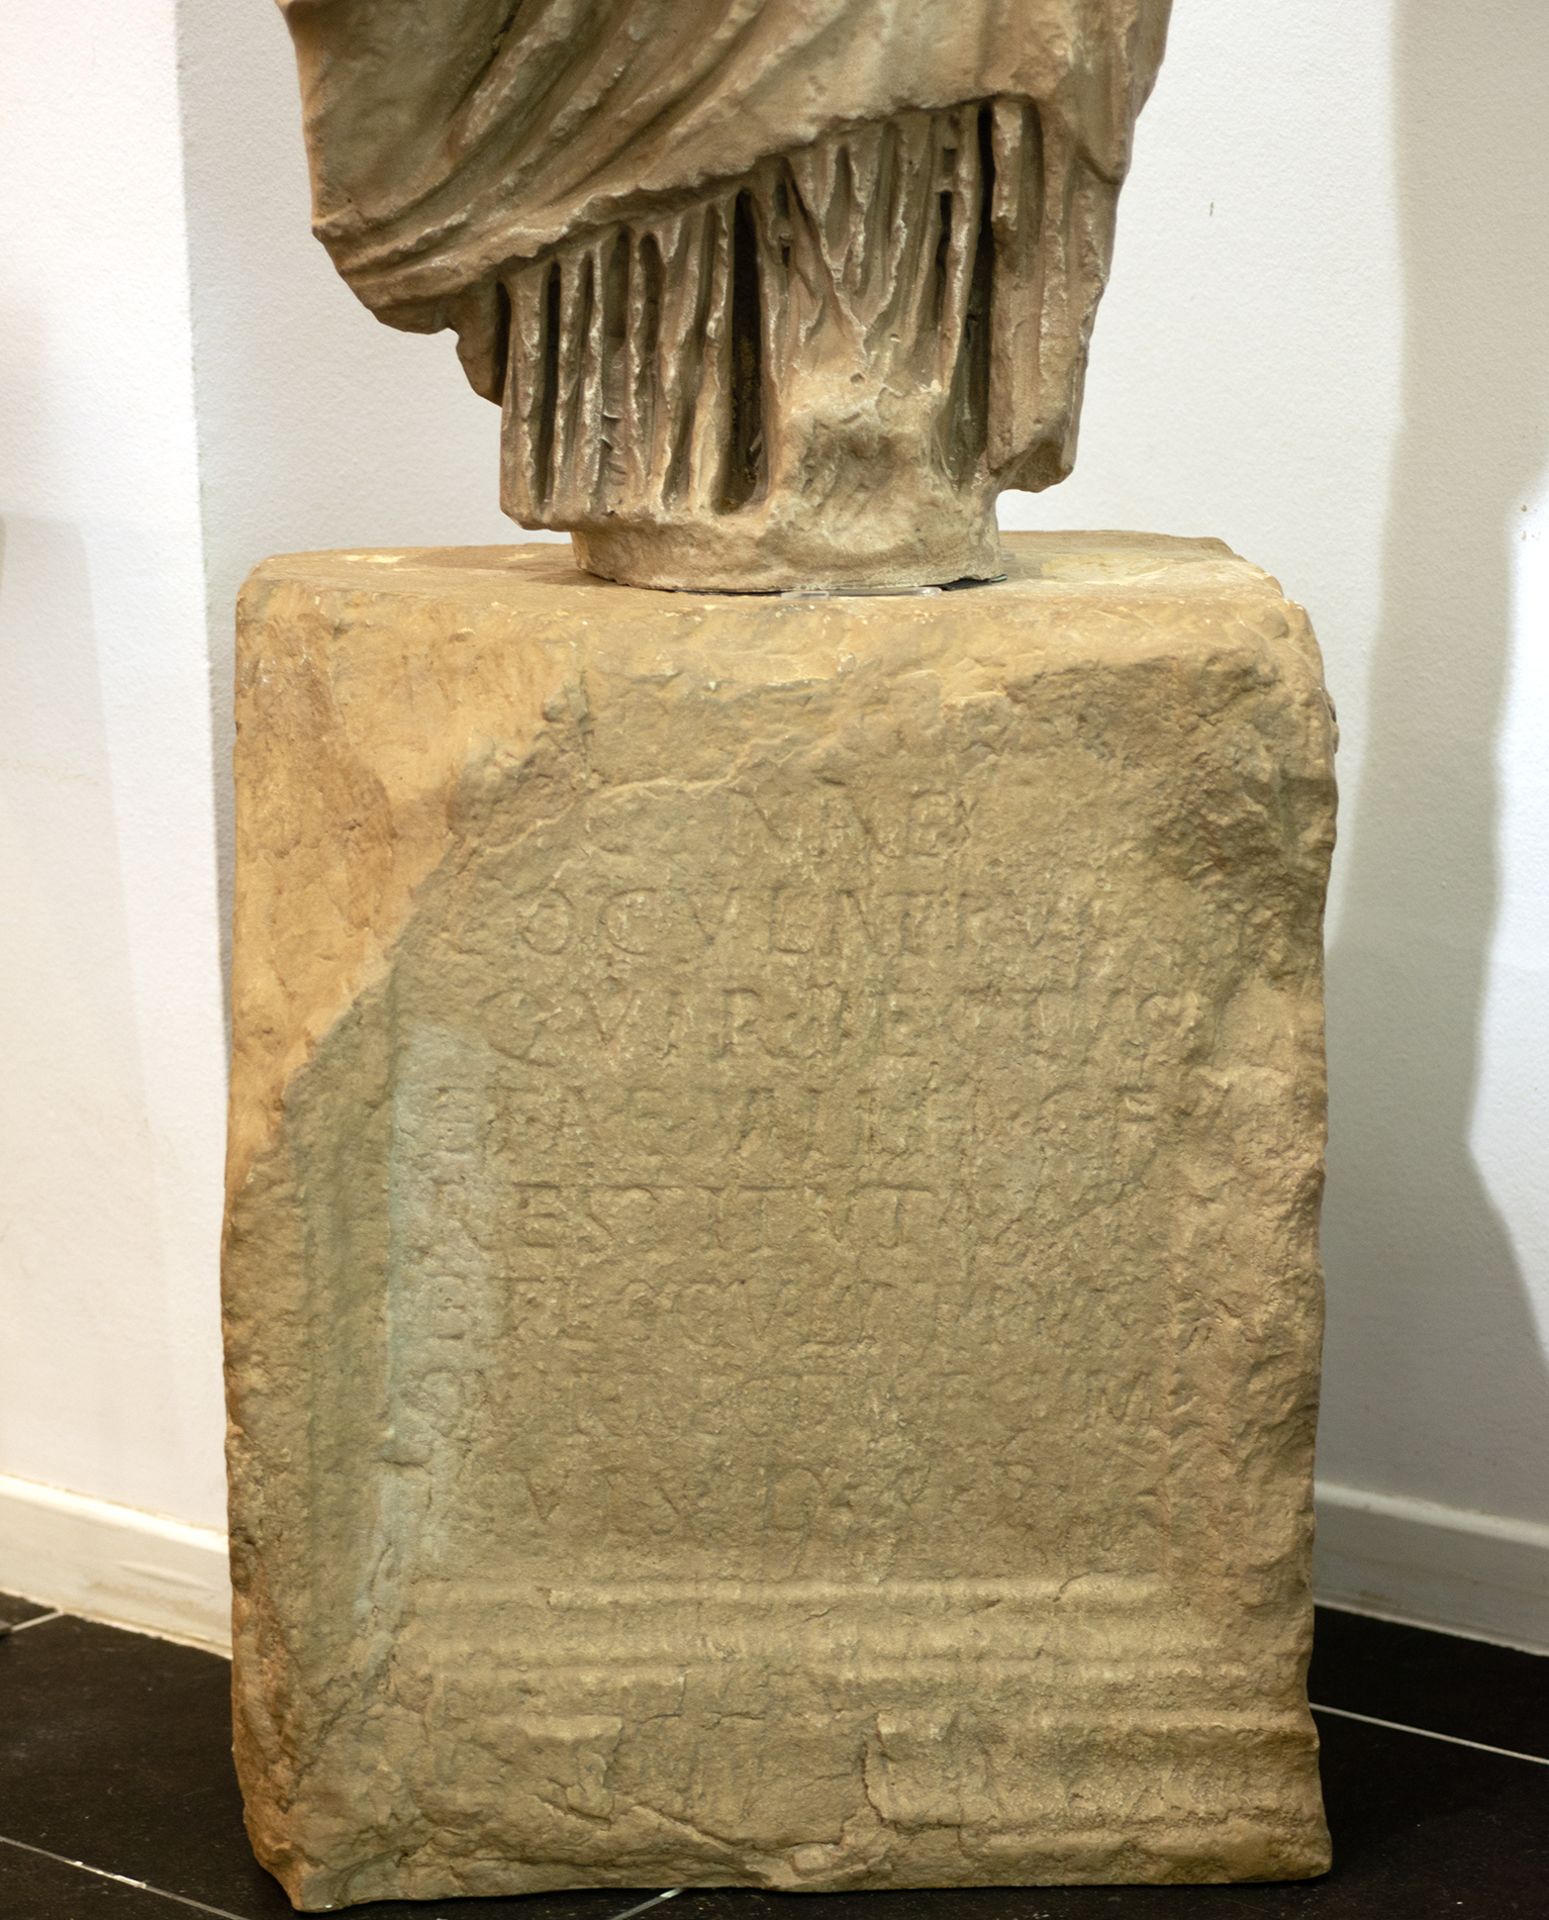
pixel 770 293
pixel 772 1280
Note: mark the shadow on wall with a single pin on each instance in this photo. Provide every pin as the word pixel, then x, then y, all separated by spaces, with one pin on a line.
pixel 1436 1383
pixel 78 1158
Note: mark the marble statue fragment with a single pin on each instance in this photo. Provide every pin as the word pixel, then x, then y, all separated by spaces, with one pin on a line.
pixel 772 1283
pixel 771 293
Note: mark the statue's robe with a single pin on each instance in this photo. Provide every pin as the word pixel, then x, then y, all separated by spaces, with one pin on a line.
pixel 511 167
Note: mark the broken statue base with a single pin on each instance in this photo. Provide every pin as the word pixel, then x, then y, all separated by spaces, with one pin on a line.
pixel 771 1279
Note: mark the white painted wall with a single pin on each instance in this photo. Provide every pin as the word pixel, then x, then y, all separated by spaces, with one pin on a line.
pixel 111 1052
pixel 1325 340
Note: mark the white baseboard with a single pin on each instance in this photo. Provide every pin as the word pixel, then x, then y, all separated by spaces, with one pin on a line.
pixel 114 1563
pixel 1433 1566
pixel 1402 1559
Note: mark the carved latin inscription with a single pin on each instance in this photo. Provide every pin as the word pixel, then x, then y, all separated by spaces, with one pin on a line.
pixel 756 1163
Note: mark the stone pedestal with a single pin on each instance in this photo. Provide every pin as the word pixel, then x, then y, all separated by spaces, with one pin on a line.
pixel 772 1281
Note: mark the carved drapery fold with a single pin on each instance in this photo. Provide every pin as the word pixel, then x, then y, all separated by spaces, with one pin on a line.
pixel 771 292
pixel 898 295
pixel 652 366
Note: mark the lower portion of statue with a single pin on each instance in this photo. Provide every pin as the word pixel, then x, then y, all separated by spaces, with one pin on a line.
pixel 771 1280
pixel 819 375
pixel 773 294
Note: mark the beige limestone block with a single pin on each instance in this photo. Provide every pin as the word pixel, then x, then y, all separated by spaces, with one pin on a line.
pixel 771 1280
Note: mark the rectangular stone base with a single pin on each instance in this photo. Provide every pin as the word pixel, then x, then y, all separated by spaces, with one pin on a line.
pixel 771 1279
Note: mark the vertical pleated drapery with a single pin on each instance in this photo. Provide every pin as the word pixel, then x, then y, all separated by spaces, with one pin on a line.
pixel 712 254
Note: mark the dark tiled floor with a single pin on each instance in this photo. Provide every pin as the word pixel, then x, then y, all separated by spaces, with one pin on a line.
pixel 13 1611
pixel 117 1797
pixel 1434 1680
